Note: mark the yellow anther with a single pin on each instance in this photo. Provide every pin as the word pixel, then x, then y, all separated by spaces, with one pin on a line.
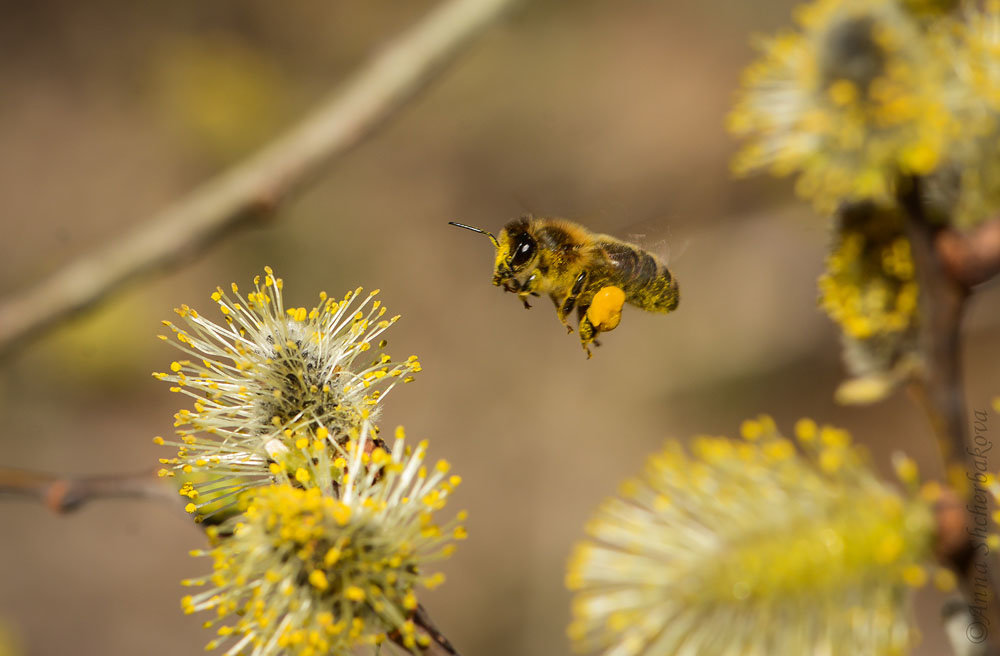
pixel 317 578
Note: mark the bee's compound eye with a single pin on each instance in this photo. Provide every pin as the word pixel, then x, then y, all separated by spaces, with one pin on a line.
pixel 524 250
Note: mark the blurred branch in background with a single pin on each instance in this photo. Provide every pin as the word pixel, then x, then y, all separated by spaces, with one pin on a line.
pixel 63 494
pixel 254 188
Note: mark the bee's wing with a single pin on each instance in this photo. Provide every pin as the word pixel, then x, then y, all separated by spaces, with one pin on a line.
pixel 657 236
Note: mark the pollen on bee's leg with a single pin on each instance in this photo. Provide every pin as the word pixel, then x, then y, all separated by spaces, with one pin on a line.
pixel 588 333
pixel 605 311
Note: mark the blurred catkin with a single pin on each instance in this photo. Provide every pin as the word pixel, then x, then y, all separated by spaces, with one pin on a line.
pixel 761 545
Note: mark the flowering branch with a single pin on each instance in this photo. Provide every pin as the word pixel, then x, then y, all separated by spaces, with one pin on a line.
pixel 253 189
pixel 891 110
pixel 63 494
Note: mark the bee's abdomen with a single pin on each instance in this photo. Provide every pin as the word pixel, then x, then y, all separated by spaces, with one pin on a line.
pixel 647 282
pixel 658 293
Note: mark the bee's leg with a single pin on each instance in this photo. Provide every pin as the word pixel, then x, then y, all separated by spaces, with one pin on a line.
pixel 527 289
pixel 563 309
pixel 588 332
pixel 562 317
pixel 556 301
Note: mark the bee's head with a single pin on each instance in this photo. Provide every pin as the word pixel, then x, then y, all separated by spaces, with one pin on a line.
pixel 516 251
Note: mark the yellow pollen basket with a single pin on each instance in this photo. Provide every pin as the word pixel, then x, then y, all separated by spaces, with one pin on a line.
pixel 605 311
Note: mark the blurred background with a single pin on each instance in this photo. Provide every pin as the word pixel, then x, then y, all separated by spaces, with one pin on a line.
pixel 610 114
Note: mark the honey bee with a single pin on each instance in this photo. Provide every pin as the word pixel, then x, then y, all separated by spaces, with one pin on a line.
pixel 594 273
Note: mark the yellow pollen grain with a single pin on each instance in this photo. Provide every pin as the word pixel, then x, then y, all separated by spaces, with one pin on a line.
pixel 944 580
pixel 843 92
pixel 629 488
pixel 806 430
pixel 751 430
pixel 889 549
pixel 906 469
pixel 914 576
pixel 317 578
pixel 331 557
pixel 779 450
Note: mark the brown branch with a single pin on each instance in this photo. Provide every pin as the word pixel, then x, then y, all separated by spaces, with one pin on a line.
pixel 968 630
pixel 253 189
pixel 940 387
pixel 942 302
pixel 438 644
pixel 63 494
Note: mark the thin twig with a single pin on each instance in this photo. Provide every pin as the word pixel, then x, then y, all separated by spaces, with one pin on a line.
pixel 942 302
pixel 438 644
pixel 253 189
pixel 63 494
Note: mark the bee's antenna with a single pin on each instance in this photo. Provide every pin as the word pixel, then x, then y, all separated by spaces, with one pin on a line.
pixel 479 230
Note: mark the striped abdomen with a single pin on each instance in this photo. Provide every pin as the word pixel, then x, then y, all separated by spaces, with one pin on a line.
pixel 646 280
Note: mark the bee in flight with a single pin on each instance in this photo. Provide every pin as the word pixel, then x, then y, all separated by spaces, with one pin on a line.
pixel 594 273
